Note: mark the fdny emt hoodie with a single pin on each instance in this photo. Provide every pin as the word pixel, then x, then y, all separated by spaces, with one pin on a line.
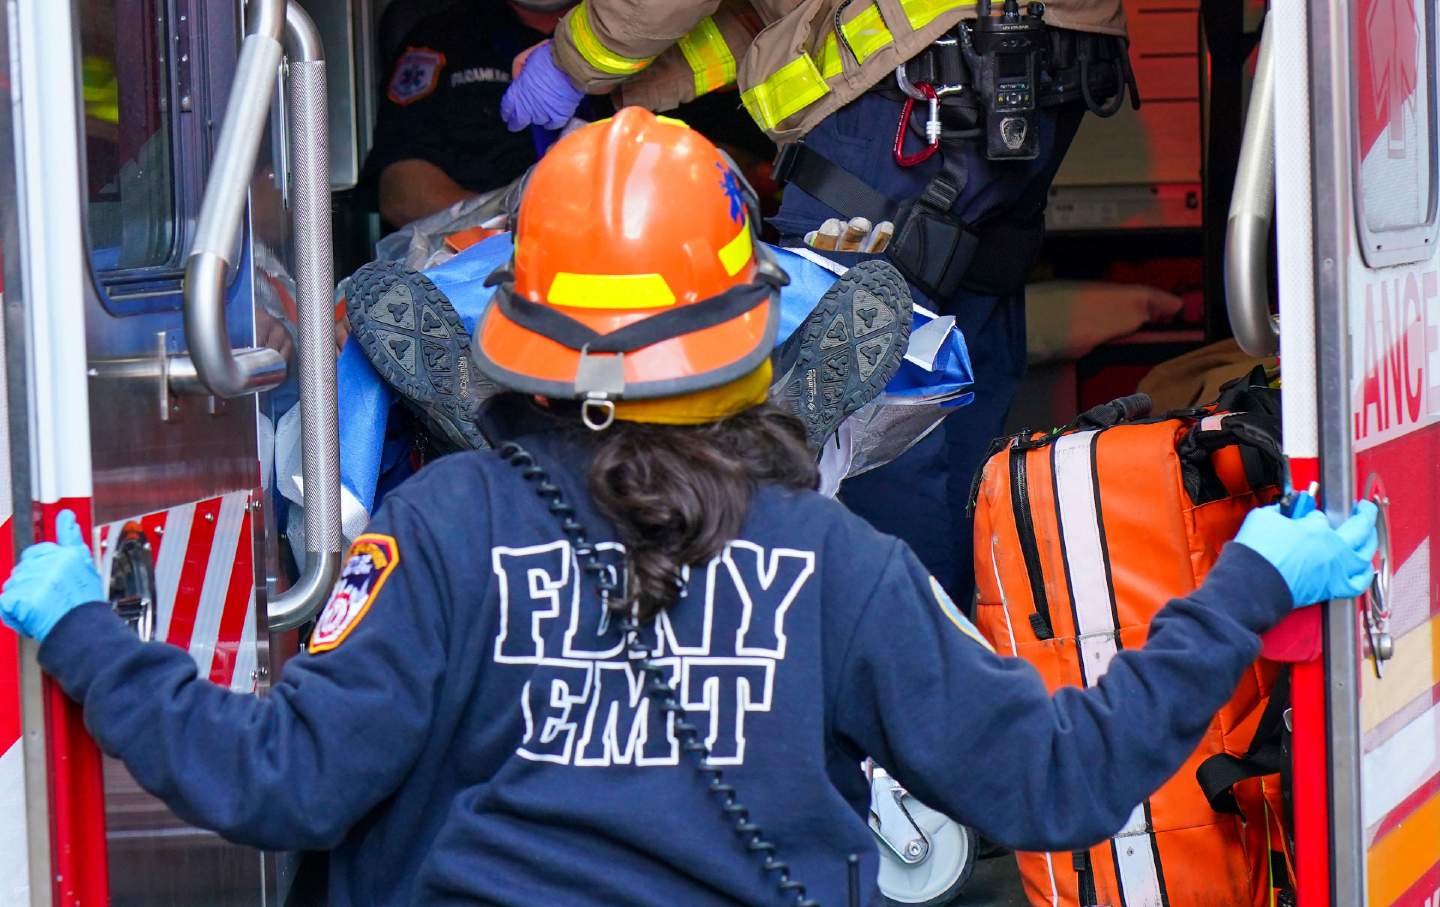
pixel 465 727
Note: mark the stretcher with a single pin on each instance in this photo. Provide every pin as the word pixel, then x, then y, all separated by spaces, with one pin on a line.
pixel 934 379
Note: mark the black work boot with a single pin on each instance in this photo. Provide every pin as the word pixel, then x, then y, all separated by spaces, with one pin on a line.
pixel 844 354
pixel 412 335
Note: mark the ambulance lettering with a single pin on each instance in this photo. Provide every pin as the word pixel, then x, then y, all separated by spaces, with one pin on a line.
pixel 1396 384
pixel 585 703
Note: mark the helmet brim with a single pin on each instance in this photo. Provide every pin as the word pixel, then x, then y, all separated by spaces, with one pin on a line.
pixel 522 360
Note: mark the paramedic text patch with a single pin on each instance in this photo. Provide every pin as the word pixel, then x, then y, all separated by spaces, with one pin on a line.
pixel 417 73
pixel 372 559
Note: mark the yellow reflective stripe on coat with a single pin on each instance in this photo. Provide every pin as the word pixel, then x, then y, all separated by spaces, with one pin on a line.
pixel 594 52
pixel 866 33
pixel 802 82
pixel 790 89
pixel 610 291
pixel 830 63
pixel 922 12
pixel 709 57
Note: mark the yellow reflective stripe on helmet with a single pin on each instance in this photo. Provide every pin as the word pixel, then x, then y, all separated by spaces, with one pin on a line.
pixel 709 57
pixel 922 12
pixel 610 291
pixel 790 89
pixel 866 33
pixel 737 253
pixel 594 52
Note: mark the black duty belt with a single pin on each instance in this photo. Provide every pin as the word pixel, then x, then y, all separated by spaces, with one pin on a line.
pixel 935 249
pixel 1080 66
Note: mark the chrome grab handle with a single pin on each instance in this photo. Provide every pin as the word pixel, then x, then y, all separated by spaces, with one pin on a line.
pixel 227 372
pixel 314 296
pixel 1252 210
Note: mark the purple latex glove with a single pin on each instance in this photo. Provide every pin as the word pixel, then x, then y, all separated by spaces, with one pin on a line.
pixel 542 95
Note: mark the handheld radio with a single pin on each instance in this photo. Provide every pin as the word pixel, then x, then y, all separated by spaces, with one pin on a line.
pixel 1004 56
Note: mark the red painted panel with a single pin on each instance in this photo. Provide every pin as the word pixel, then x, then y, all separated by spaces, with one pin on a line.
pixel 1312 784
pixel 77 793
pixel 9 654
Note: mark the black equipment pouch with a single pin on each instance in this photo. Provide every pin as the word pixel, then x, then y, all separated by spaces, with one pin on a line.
pixel 935 250
pixel 1091 68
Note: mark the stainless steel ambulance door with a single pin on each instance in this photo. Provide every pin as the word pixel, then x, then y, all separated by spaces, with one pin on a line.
pixel 1376 181
pixel 158 323
pixel 175 477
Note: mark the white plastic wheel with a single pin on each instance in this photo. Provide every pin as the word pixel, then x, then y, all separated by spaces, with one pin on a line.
pixel 936 880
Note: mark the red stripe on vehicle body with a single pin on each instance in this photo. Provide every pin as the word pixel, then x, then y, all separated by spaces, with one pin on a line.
pixel 1417 798
pixel 237 607
pixel 192 574
pixel 78 857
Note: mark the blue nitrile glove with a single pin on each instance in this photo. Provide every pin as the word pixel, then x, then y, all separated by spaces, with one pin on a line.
pixel 1318 563
pixel 51 580
pixel 542 95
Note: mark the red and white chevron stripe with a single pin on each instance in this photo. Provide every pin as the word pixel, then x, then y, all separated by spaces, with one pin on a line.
pixel 205 583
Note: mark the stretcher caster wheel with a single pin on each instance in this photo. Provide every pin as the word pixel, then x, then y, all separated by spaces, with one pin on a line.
pixel 925 857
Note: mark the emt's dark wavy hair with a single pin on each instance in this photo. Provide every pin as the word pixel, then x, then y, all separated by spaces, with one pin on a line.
pixel 678 494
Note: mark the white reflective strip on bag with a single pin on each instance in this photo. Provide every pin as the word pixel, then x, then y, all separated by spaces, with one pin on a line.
pixel 1136 862
pixel 1091 596
pixel 1084 553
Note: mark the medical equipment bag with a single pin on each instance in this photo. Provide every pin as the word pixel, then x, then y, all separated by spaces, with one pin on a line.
pixel 1082 534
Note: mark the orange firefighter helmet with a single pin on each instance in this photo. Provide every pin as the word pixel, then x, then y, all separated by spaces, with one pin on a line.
pixel 637 273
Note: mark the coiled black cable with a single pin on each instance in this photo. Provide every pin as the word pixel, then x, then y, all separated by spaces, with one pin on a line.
pixel 657 685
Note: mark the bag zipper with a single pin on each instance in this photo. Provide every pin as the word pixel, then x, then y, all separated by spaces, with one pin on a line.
pixel 1029 549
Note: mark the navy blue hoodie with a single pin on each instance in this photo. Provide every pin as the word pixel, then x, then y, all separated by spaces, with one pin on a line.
pixel 466 730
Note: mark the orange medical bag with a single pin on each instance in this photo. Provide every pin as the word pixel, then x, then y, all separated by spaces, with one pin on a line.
pixel 1081 536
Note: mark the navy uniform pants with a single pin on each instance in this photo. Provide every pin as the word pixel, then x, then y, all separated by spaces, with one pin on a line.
pixel 921 497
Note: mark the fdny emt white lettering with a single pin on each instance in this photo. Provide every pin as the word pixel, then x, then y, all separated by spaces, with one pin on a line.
pixel 585 703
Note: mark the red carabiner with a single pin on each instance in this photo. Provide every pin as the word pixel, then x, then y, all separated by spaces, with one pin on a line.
pixel 924 154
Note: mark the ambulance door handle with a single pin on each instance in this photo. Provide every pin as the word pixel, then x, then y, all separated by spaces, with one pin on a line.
pixel 1252 211
pixel 309 128
pixel 227 372
pixel 132 581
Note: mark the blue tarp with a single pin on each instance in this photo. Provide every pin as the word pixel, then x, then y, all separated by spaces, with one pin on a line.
pixel 365 399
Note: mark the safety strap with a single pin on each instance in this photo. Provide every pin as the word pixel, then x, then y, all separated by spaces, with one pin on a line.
pixel 1218 775
pixel 676 322
pixel 832 185
pixel 1084 879
pixel 1257 437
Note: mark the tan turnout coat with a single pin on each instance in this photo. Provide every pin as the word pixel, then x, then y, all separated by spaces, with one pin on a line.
pixel 783 54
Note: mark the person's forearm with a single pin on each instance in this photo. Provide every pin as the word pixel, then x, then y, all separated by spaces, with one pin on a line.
pixel 1096 753
pixel 410 190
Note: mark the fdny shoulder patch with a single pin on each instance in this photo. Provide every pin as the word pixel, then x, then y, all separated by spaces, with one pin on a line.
pixel 947 606
pixel 372 559
pixel 417 74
